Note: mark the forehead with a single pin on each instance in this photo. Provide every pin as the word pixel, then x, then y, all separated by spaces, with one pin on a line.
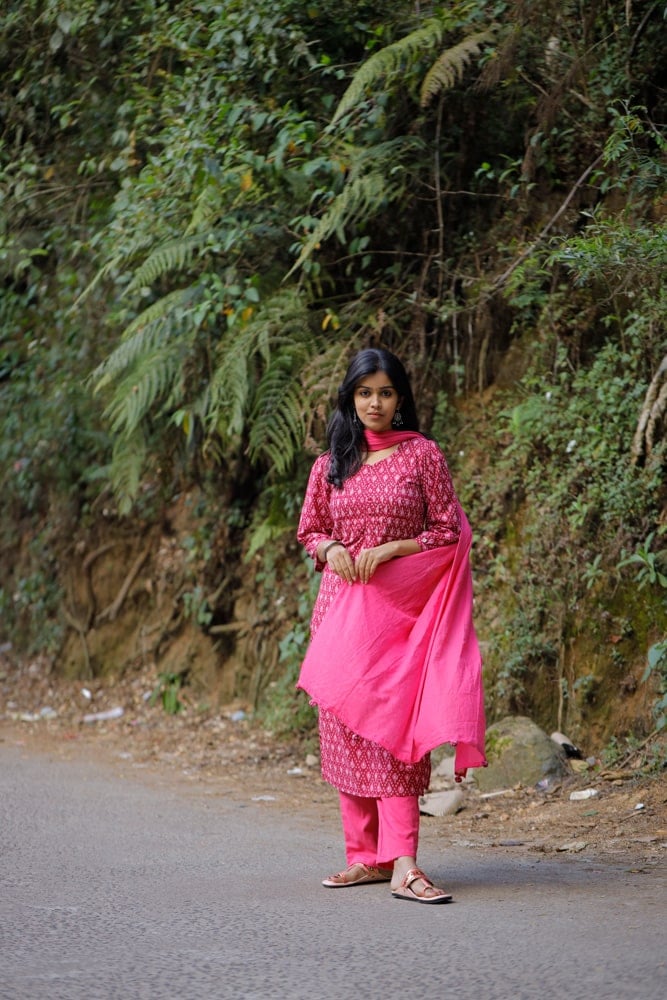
pixel 376 380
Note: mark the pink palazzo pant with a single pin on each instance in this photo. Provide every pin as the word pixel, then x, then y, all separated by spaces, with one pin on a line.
pixel 379 830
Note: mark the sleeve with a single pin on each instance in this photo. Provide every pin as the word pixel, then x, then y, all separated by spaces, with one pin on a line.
pixel 442 521
pixel 315 523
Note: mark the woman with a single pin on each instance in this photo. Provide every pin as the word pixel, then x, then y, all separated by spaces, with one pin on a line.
pixel 393 662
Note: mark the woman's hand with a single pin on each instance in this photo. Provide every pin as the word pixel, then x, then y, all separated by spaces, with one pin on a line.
pixel 368 560
pixel 340 561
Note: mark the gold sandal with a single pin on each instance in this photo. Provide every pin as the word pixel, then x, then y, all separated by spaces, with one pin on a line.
pixel 406 890
pixel 367 874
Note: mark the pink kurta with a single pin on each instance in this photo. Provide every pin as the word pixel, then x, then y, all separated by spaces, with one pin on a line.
pixel 409 494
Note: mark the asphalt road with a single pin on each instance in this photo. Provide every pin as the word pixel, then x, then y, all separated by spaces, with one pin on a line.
pixel 116 886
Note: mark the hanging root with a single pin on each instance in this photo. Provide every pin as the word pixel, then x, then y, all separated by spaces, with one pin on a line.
pixel 651 423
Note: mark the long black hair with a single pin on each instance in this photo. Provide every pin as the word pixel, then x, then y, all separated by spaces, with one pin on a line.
pixel 345 432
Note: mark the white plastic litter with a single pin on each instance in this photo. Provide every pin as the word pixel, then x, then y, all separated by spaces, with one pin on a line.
pixel 113 713
pixel 584 793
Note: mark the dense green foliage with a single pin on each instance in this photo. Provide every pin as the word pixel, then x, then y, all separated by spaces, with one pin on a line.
pixel 207 205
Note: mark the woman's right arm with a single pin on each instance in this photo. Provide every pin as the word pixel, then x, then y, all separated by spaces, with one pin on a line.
pixel 316 526
pixel 315 523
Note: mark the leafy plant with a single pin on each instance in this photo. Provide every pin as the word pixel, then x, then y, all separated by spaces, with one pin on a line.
pixel 649 562
pixel 167 691
pixel 656 667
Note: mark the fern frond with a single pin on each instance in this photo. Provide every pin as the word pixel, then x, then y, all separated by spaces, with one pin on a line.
pixel 256 384
pixel 127 465
pixel 449 67
pixel 360 198
pixel 114 264
pixel 390 60
pixel 223 404
pixel 139 338
pixel 243 351
pixel 375 179
pixel 172 256
pixel 278 419
pixel 154 376
pixel 208 206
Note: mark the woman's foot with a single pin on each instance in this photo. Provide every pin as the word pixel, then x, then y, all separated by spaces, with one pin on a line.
pixel 357 874
pixel 417 886
pixel 410 882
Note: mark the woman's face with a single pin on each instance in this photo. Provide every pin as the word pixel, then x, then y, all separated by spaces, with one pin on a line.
pixel 376 401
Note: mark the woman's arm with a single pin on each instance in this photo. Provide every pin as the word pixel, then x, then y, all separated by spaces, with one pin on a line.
pixel 442 511
pixel 315 523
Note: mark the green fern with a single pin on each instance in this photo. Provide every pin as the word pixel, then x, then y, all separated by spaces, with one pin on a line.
pixel 176 255
pixel 391 60
pixel 114 264
pixel 151 378
pixel 223 405
pixel 278 419
pixel 256 383
pixel 208 207
pixel 140 338
pixel 448 69
pixel 376 178
pixel 127 465
pixel 255 386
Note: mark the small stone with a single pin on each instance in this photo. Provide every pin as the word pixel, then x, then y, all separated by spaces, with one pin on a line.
pixel 573 846
pixel 312 760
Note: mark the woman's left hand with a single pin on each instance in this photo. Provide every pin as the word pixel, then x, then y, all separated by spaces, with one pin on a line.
pixel 368 560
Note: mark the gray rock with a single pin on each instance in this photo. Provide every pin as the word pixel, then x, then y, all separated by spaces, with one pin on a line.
pixel 442 777
pixel 519 753
pixel 441 803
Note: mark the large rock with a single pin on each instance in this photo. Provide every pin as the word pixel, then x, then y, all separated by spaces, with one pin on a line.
pixel 519 753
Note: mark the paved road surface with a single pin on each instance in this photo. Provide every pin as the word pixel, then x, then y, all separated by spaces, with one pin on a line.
pixel 115 886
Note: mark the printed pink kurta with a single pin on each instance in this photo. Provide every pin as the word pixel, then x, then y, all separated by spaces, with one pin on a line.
pixel 409 494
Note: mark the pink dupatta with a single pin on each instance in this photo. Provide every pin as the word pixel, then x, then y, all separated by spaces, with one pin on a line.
pixel 397 659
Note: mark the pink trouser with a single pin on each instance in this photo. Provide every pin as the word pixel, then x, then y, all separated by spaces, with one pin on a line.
pixel 379 830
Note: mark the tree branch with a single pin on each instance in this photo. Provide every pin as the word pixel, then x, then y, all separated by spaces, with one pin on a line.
pixel 500 281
